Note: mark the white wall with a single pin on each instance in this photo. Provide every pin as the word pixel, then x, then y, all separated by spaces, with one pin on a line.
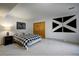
pixel 10 20
pixel 61 35
pixel 72 37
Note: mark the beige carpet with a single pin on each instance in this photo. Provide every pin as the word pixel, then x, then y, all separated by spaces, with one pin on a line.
pixel 45 47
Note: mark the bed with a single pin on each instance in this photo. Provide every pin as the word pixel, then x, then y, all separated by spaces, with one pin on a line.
pixel 26 40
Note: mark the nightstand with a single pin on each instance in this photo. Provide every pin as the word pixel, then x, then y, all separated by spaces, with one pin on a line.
pixel 8 40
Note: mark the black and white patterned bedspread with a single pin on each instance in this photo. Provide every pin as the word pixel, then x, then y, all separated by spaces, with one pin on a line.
pixel 27 39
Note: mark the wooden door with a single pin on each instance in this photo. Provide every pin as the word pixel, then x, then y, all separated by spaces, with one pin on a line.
pixel 39 29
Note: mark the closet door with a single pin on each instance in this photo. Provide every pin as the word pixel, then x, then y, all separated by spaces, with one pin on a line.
pixel 39 28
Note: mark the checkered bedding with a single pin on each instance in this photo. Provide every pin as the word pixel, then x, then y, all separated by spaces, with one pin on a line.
pixel 27 39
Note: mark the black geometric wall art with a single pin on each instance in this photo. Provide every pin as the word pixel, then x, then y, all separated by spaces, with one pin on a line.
pixel 67 18
pixel 67 30
pixel 59 29
pixel 72 23
pixel 54 25
pixel 58 19
pixel 64 24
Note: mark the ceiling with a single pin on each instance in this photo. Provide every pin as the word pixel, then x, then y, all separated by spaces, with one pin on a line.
pixel 29 10
pixel 5 8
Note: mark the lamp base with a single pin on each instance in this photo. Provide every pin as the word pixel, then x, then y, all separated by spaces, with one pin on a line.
pixel 7 33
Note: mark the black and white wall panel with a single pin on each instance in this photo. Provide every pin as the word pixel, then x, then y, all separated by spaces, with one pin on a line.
pixel 65 24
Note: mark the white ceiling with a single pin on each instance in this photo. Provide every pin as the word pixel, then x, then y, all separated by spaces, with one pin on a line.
pixel 5 8
pixel 29 10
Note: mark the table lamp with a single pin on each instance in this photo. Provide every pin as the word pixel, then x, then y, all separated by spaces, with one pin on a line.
pixel 7 29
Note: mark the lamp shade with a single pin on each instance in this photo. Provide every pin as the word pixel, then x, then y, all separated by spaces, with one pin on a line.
pixel 7 28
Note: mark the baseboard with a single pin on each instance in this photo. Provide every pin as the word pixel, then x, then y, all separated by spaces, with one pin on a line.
pixel 66 41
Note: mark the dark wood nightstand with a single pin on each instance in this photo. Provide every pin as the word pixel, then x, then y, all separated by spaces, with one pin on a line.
pixel 8 40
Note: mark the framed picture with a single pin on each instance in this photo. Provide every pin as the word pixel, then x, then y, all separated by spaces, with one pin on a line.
pixel 21 25
pixel 64 24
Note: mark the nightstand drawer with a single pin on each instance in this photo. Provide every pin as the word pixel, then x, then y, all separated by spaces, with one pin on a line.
pixel 8 40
